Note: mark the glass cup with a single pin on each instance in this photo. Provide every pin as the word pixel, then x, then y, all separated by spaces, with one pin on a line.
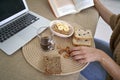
pixel 46 39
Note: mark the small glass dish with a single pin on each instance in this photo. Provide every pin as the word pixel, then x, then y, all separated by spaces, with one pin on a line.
pixel 55 22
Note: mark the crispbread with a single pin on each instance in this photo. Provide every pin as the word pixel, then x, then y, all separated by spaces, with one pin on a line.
pixel 52 65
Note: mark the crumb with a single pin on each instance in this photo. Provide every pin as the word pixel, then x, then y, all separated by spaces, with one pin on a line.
pixel 66 55
pixel 66 51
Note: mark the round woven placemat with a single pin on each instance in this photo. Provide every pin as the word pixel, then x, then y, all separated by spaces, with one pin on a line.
pixel 34 55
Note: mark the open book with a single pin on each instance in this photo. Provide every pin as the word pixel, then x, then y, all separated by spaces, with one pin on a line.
pixel 65 7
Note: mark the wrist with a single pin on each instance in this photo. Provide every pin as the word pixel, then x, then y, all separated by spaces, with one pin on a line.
pixel 102 56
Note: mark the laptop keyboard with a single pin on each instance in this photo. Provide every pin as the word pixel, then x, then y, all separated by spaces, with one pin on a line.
pixel 16 26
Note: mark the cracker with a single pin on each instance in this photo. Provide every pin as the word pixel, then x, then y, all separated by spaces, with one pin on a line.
pixel 52 65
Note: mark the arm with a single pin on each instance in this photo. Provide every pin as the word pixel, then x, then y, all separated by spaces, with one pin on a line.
pixel 103 11
pixel 89 54
pixel 110 66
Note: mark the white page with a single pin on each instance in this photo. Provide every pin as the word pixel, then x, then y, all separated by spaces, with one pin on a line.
pixel 83 4
pixel 69 9
pixel 65 7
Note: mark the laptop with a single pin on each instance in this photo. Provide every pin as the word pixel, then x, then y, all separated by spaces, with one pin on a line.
pixel 18 25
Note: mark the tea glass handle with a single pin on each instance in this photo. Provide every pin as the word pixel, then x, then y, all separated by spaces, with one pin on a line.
pixel 52 42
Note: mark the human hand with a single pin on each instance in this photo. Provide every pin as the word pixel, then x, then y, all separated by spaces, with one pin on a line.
pixel 84 54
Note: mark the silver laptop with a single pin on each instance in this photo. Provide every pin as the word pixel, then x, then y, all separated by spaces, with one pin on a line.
pixel 18 25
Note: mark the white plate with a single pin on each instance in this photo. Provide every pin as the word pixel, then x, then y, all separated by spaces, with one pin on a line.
pixel 59 34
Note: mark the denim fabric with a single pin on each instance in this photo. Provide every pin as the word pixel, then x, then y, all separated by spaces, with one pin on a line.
pixel 94 71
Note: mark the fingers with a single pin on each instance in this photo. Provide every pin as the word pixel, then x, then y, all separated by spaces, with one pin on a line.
pixel 82 61
pixel 76 48
pixel 80 58
pixel 73 53
pixel 78 54
pixel 77 57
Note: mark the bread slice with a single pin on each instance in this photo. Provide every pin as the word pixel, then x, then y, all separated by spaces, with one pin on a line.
pixel 82 38
pixel 52 65
pixel 82 42
pixel 82 34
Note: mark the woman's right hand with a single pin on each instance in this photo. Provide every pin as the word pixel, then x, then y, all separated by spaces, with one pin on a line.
pixel 86 54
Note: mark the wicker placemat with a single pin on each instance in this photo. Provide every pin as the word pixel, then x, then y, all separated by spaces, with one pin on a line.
pixel 34 55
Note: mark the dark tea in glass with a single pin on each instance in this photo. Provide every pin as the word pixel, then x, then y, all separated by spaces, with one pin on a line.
pixel 46 43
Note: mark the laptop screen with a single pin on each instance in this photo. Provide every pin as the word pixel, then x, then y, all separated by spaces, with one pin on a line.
pixel 11 9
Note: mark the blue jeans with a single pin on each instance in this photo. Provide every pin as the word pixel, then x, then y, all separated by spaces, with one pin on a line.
pixel 94 71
